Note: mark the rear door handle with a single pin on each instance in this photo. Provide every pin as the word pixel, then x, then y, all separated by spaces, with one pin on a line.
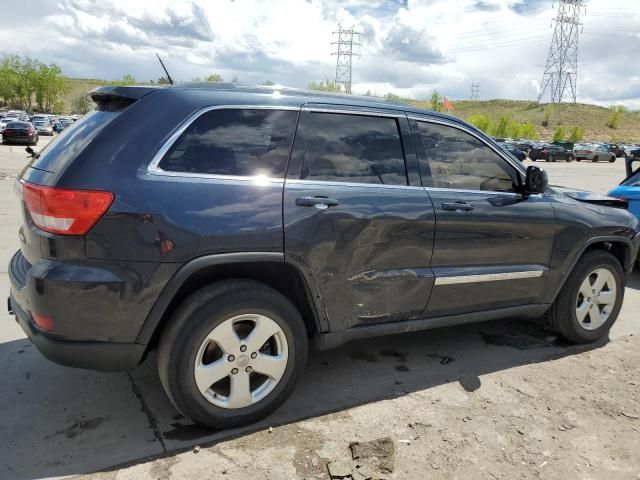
pixel 318 202
pixel 457 206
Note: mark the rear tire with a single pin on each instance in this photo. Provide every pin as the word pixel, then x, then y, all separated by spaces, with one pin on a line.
pixel 213 326
pixel 570 158
pixel 612 159
pixel 579 314
pixel 595 159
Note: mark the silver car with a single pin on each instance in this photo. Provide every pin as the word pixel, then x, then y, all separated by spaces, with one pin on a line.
pixel 43 127
pixel 592 152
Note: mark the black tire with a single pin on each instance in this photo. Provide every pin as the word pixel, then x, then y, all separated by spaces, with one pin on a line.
pixel 532 159
pixel 570 158
pixel 562 314
pixel 578 159
pixel 196 317
pixel 595 159
pixel 612 159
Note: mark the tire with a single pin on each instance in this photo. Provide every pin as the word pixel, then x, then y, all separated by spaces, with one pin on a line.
pixel 563 314
pixel 551 158
pixel 570 158
pixel 185 341
pixel 578 159
pixel 595 159
pixel 612 159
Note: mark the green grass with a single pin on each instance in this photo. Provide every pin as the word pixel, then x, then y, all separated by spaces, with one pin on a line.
pixel 568 115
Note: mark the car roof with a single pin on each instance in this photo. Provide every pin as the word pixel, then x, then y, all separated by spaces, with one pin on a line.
pixel 219 92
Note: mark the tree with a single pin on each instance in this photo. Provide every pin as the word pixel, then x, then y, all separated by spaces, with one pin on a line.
pixel 23 80
pixel 558 135
pixel 327 86
pixel 615 116
pixel 436 101
pixel 81 104
pixel 214 78
pixel 163 81
pixel 576 135
pixel 501 128
pixel 481 122
pixel 269 83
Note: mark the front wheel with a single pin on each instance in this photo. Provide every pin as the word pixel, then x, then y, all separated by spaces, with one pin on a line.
pixel 232 353
pixel 551 158
pixel 570 158
pixel 590 300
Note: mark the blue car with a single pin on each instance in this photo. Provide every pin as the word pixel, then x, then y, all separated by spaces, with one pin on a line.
pixel 630 191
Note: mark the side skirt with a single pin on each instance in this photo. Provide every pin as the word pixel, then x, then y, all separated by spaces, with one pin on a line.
pixel 325 341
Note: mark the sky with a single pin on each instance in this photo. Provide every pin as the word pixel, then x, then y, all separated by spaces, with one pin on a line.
pixel 405 47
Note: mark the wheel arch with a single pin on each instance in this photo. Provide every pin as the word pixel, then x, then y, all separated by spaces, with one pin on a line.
pixel 269 268
pixel 619 246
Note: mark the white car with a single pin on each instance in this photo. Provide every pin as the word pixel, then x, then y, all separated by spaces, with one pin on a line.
pixel 5 121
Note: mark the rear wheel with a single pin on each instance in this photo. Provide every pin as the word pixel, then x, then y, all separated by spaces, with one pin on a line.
pixel 595 159
pixel 551 158
pixel 590 301
pixel 612 159
pixel 570 158
pixel 232 353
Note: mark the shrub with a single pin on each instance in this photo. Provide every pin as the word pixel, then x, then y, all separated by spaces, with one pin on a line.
pixel 481 122
pixel 558 135
pixel 501 128
pixel 576 135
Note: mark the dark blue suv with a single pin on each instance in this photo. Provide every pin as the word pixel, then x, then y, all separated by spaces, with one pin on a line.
pixel 231 227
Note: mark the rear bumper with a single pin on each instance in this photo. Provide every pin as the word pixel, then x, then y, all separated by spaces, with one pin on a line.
pixel 19 139
pixel 29 291
pixel 102 356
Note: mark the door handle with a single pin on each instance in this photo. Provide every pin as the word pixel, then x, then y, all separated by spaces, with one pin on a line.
pixel 321 203
pixel 457 206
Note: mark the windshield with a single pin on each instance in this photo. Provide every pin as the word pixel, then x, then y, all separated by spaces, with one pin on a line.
pixel 633 181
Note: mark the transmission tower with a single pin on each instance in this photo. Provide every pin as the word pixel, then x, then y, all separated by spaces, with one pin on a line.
pixel 344 51
pixel 561 71
pixel 475 91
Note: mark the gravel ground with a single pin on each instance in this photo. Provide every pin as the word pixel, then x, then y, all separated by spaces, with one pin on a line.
pixel 495 400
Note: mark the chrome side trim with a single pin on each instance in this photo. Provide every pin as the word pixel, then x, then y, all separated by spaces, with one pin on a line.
pixel 366 113
pixel 488 277
pixel 296 181
pixel 153 167
pixel 519 168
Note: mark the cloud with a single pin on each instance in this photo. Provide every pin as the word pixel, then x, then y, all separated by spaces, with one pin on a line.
pixel 408 47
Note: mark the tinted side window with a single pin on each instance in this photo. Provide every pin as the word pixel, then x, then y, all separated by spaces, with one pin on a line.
pixel 455 159
pixel 234 142
pixel 350 148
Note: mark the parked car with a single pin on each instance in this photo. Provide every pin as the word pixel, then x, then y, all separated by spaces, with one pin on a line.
pixel 629 190
pixel 20 132
pixel 43 127
pixel 634 153
pixel 616 149
pixel 513 150
pixel 64 122
pixel 231 227
pixel 551 153
pixel 595 153
pixel 5 121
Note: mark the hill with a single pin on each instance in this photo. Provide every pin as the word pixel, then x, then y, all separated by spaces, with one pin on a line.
pixel 592 118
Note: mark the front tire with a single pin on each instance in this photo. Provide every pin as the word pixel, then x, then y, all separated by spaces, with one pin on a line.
pixel 589 303
pixel 232 353
pixel 570 158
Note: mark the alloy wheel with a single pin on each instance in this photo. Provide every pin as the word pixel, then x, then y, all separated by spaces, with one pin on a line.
pixel 241 361
pixel 596 299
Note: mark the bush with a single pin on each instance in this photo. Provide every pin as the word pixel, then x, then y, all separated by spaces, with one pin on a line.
pixel 576 135
pixel 558 135
pixel 547 116
pixel 481 122
pixel 501 128
pixel 329 86
pixel 615 116
pixel 435 101
pixel 528 131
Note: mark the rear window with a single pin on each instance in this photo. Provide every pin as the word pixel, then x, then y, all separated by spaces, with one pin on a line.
pixel 234 142
pixel 633 181
pixel 68 145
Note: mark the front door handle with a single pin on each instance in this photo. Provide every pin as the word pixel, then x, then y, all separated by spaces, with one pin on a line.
pixel 457 206
pixel 321 203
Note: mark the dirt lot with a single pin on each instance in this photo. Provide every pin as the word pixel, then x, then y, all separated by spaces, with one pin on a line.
pixel 498 400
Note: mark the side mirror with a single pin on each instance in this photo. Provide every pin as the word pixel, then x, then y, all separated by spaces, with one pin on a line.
pixel 536 180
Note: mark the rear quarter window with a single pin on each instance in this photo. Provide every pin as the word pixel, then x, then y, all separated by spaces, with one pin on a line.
pixel 75 138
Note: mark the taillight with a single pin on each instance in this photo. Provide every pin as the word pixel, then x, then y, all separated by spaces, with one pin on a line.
pixel 42 322
pixel 64 211
pixel 29 132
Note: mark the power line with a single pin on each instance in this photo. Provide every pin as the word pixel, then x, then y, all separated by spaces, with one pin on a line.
pixel 344 52
pixel 475 91
pixel 561 70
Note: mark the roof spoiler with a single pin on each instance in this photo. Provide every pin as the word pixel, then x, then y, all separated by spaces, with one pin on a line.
pixel 116 97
